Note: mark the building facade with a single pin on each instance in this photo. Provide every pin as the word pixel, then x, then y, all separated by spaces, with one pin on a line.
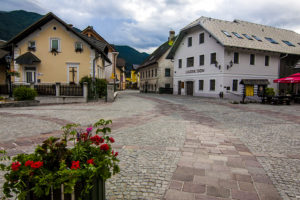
pixel 156 72
pixel 52 51
pixel 214 57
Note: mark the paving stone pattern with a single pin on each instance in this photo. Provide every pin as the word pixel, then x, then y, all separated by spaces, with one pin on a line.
pixel 177 147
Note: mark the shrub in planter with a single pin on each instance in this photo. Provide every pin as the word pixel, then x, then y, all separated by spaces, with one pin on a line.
pixel 270 92
pixel 24 93
pixel 88 160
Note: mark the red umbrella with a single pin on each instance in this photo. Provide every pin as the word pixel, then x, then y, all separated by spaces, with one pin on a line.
pixel 295 78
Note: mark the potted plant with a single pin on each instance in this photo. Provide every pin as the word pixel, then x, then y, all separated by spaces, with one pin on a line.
pixel 76 164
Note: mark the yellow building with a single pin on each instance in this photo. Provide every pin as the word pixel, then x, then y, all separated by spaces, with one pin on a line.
pixel 52 51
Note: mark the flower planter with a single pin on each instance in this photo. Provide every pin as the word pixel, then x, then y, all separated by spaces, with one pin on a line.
pixel 58 172
pixel 97 193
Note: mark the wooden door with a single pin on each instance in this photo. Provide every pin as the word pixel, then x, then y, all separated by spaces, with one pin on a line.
pixel 190 88
pixel 179 87
pixel 249 90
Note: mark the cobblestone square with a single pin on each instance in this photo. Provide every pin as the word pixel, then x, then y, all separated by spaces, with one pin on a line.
pixel 179 147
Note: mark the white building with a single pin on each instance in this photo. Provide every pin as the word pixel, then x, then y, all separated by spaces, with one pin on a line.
pixel 213 56
pixel 156 72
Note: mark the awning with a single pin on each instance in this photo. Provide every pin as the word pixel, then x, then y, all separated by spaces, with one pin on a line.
pixel 295 78
pixel 27 59
pixel 254 82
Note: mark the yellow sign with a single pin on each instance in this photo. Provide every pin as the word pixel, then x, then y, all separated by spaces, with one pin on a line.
pixel 112 76
pixel 171 42
pixel 249 90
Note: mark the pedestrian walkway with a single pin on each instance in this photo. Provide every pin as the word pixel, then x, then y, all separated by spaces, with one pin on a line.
pixel 215 165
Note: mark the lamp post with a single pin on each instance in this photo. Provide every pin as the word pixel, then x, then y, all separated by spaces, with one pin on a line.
pixel 8 61
pixel 115 54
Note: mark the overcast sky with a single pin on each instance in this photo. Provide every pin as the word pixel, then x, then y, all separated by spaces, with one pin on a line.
pixel 145 24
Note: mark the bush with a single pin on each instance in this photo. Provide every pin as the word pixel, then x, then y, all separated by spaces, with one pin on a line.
pixel 270 92
pixel 24 93
pixel 101 86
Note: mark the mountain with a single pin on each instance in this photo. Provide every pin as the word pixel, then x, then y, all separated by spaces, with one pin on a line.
pixel 13 22
pixel 131 55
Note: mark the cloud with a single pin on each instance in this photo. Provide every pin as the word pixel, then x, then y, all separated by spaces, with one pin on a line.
pixel 145 24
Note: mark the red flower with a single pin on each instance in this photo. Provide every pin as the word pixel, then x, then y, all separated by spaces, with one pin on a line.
pixel 111 139
pixel 90 161
pixel 75 165
pixel 84 136
pixel 36 165
pixel 97 139
pixel 104 147
pixel 15 166
pixel 28 163
pixel 116 154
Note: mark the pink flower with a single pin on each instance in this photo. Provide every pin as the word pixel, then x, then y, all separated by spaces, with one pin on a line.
pixel 89 129
pixel 116 154
pixel 37 165
pixel 28 163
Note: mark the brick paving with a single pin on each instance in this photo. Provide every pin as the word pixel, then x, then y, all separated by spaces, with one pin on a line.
pixel 173 147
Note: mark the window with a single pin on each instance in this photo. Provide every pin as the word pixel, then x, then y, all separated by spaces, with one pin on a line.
pixel 54 44
pixel 30 74
pixel 190 41
pixel 257 38
pixel 267 60
pixel 201 38
pixel 190 62
pixel 78 46
pixel 167 85
pixel 252 59
pixel 212 85
pixel 167 72
pixel 226 33
pixel 201 60
pixel 234 85
pixel 288 43
pixel 179 63
pixel 155 72
pixel 247 36
pixel 201 84
pixel 213 58
pixel 236 58
pixel 271 40
pixel 237 35
pixel 31 45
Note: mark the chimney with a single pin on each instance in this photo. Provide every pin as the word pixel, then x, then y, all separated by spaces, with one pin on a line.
pixel 171 36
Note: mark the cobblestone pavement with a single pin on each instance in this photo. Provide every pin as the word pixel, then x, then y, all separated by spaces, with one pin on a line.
pixel 176 147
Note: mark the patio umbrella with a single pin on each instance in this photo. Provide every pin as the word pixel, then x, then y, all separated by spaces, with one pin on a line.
pixel 294 78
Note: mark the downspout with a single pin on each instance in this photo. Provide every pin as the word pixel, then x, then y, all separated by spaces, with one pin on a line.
pixel 94 79
pixel 280 58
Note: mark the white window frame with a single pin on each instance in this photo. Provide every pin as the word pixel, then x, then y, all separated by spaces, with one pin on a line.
pixel 59 43
pixel 25 73
pixel 81 45
pixel 29 44
pixel 70 65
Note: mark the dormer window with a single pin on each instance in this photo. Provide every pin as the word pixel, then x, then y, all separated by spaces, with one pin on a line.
pixel 78 47
pixel 31 45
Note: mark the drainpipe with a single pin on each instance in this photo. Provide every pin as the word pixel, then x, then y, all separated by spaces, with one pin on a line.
pixel 94 79
pixel 280 58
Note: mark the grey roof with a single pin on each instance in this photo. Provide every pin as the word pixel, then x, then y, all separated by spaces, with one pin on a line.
pixel 27 58
pixel 156 55
pixel 215 27
pixel 96 43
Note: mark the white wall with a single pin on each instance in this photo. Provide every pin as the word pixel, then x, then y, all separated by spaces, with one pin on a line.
pixel 209 46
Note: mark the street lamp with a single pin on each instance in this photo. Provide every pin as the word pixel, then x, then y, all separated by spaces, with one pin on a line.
pixel 8 61
pixel 115 54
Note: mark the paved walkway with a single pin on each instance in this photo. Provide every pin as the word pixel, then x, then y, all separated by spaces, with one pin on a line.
pixel 174 147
